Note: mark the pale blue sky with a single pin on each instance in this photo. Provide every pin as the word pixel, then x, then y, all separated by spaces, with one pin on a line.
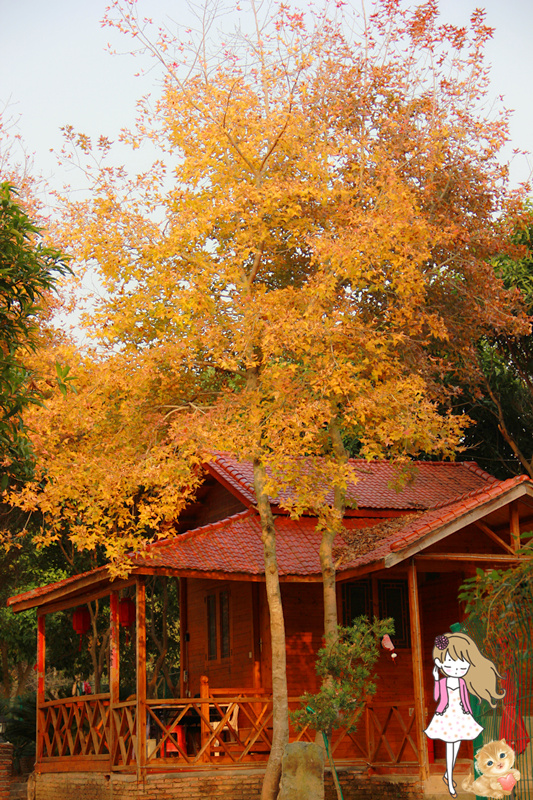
pixel 54 69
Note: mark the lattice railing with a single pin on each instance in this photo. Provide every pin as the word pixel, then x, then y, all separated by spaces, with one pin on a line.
pixel 208 730
pixel 74 727
pixel 222 731
pixel 391 733
pixel 124 734
pixel 383 734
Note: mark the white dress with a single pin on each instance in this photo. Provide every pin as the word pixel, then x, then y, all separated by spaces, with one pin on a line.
pixel 454 724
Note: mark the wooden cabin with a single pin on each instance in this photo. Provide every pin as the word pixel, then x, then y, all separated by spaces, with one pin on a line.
pixel 403 554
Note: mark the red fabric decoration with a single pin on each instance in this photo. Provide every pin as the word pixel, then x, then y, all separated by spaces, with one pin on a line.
pixel 126 614
pixel 81 621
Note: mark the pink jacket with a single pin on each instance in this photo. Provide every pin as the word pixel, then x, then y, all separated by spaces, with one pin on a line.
pixel 440 693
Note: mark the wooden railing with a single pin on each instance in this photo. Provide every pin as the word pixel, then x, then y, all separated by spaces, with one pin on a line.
pixel 217 730
pixel 76 728
pixel 123 734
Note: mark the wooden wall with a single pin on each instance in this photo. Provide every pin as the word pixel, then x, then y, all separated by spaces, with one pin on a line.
pixel 237 669
pixel 304 626
pixel 439 608
pixel 304 631
pixel 213 502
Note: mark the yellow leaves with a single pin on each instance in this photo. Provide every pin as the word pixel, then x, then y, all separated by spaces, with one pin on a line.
pixel 108 476
pixel 319 215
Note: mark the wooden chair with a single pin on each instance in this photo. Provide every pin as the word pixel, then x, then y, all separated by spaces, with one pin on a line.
pixel 169 747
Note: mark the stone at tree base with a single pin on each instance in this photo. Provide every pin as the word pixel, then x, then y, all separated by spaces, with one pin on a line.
pixel 302 772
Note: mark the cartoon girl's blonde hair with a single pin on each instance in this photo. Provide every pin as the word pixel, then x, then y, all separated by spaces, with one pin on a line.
pixel 482 677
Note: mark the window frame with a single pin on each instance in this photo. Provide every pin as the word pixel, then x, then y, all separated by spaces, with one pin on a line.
pixel 376 604
pixel 218 625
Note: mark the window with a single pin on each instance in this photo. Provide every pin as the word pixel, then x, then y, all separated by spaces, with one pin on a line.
pixel 218 625
pixel 383 598
pixel 211 627
pixel 224 625
pixel 356 601
pixel 393 603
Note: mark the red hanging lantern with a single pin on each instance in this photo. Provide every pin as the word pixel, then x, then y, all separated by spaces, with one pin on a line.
pixel 81 621
pixel 126 614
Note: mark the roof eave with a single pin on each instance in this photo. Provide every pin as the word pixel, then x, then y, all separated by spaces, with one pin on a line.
pixel 435 536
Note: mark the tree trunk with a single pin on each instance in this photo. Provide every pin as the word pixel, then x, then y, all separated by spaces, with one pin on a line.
pixel 280 735
pixel 327 565
pixel 162 646
pixel 24 670
pixel 326 545
pixel 328 585
pixel 332 767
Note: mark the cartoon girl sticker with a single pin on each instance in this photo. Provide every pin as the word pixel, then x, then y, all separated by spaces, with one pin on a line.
pixel 465 671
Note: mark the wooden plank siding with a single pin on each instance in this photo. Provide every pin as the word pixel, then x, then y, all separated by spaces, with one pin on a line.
pixel 237 669
pixel 439 609
pixel 214 502
pixel 303 608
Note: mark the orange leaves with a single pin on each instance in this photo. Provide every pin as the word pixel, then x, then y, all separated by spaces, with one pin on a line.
pixel 310 246
pixel 108 477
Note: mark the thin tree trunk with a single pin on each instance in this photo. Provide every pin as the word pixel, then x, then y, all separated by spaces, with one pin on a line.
pixel 23 673
pixel 328 571
pixel 326 545
pixel 162 646
pixel 280 736
pixel 333 770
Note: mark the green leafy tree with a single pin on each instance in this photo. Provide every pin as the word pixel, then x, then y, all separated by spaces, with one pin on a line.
pixel 29 270
pixel 23 568
pixel 499 398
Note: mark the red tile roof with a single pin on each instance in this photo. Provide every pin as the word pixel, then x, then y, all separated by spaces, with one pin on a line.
pixel 40 591
pixel 234 545
pixel 444 514
pixel 433 482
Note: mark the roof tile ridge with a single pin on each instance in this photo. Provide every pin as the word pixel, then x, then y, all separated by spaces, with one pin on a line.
pixel 495 487
pixel 222 459
pixel 38 590
pixel 473 466
pixel 384 462
pixel 465 500
pixel 210 526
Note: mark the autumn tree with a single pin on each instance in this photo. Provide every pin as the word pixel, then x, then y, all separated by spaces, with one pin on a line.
pixel 106 476
pixel 306 261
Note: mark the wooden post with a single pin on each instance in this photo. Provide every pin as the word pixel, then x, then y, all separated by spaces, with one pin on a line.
pixel 256 640
pixel 514 525
pixel 184 671
pixel 114 678
pixel 114 668
pixel 418 672
pixel 41 667
pixel 205 729
pixel 141 677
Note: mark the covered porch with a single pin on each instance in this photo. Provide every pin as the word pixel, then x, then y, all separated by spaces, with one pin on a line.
pixel 219 727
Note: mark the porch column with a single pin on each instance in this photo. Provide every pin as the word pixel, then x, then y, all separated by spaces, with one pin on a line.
pixel 141 676
pixel 418 672
pixel 41 666
pixel 184 625
pixel 256 628
pixel 205 728
pixel 114 669
pixel 514 525
pixel 114 678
